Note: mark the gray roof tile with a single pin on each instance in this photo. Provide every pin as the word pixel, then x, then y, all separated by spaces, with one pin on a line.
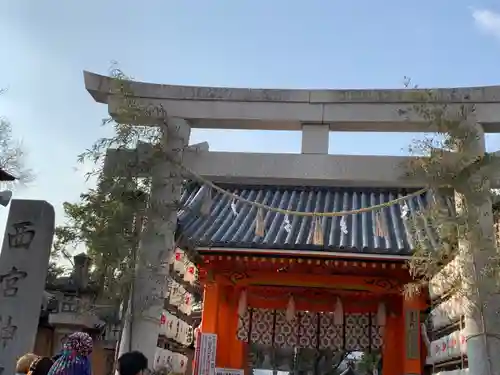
pixel 222 228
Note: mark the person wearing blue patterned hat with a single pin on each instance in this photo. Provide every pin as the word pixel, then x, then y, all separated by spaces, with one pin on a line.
pixel 74 359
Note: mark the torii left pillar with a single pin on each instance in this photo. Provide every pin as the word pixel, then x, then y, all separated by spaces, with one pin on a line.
pixel 157 243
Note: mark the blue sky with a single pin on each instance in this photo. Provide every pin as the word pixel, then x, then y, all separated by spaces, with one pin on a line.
pixel 274 44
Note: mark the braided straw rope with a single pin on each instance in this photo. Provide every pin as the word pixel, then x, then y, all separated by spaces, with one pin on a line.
pixel 233 196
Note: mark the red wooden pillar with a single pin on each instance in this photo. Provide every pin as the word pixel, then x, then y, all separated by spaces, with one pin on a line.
pixel 220 316
pixel 391 359
pixel 210 313
pixel 237 357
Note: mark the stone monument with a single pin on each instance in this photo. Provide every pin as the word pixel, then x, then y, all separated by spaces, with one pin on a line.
pixel 23 269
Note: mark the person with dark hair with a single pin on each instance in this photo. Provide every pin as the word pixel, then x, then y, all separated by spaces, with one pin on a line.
pixel 132 363
pixel 40 366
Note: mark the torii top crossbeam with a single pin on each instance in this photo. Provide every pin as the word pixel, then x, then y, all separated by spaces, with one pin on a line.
pixel 265 109
pixel 314 112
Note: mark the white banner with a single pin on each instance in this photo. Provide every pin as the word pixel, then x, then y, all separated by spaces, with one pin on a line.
pixel 205 354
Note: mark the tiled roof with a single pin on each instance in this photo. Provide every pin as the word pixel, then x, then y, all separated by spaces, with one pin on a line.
pixel 6 176
pixel 222 228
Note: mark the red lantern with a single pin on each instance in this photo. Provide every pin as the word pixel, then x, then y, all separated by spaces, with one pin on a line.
pixel 178 256
pixel 191 270
pixel 163 319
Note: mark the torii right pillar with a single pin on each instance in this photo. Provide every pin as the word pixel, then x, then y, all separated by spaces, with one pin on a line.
pixel 477 252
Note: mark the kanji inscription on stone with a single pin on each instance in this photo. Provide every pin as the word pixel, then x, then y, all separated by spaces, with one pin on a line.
pixel 9 282
pixel 7 331
pixel 24 260
pixel 21 235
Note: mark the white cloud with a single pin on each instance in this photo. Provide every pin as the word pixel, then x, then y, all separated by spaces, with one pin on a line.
pixel 487 21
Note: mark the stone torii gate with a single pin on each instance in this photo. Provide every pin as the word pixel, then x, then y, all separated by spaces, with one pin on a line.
pixel 313 112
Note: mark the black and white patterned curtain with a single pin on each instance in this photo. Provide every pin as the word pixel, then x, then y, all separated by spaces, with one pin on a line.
pixel 359 331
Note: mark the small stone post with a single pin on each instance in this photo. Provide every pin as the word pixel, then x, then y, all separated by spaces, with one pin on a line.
pixel 23 271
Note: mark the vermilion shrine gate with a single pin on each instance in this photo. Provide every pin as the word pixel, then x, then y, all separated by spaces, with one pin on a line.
pixel 280 286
